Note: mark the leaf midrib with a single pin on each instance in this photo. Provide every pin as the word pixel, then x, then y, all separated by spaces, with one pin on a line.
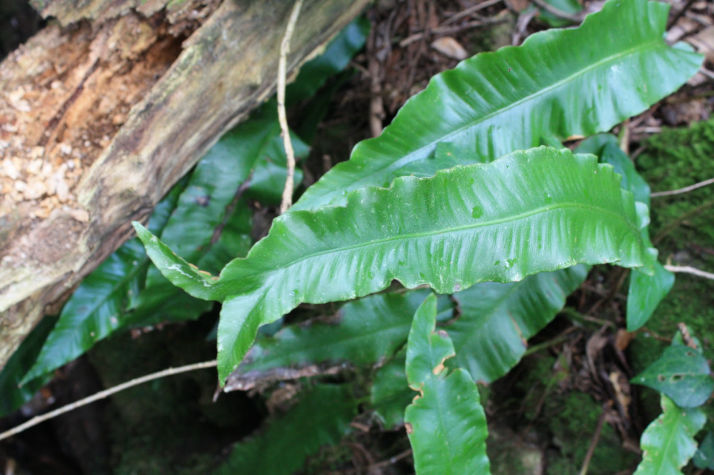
pixel 670 436
pixel 457 229
pixel 409 157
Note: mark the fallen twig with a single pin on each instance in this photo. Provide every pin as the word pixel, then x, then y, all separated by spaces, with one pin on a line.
pixel 470 10
pixel 282 116
pixel 376 103
pixel 378 465
pixel 594 441
pixel 686 189
pixel 103 394
pixel 679 14
pixel 575 18
pixel 449 30
pixel 677 222
pixel 690 270
pixel 522 25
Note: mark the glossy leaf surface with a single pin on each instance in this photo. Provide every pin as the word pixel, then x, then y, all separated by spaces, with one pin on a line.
pixel 566 6
pixel 96 309
pixel 529 212
pixel 704 457
pixel 490 335
pixel 211 187
pixel 13 393
pixel 389 394
pixel 646 291
pixel 446 423
pixel 682 374
pixel 607 148
pixel 200 211
pixel 559 83
pixel 321 417
pixel 364 332
pixel 268 178
pixel 124 290
pixel 668 442
pixel 163 301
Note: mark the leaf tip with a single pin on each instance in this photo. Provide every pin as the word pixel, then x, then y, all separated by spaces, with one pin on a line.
pixel 143 233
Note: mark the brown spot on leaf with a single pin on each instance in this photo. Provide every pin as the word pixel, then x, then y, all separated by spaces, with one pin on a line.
pixel 408 427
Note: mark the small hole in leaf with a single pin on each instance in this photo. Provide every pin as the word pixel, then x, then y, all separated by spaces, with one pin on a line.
pixel 660 378
pixel 677 377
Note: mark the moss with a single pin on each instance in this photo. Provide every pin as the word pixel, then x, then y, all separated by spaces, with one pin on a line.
pixel 509 454
pixel 683 230
pixel 560 422
pixel 572 419
pixel 674 159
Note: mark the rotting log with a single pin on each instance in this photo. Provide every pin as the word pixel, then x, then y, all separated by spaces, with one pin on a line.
pixel 106 108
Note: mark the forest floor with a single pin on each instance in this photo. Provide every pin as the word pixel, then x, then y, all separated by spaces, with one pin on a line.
pixel 547 410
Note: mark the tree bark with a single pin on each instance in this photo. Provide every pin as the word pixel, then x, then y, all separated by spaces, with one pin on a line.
pixel 105 109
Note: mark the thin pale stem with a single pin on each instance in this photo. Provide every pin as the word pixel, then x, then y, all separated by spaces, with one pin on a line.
pixel 104 394
pixel 287 200
pixel 686 189
pixel 690 270
pixel 593 442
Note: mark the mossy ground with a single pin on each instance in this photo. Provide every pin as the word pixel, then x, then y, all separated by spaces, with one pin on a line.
pixel 682 228
pixel 560 422
pixel 573 418
pixel 169 425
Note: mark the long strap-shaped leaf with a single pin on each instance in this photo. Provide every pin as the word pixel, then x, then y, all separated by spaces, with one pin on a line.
pixel 446 422
pixel 533 211
pixel 557 84
pixel 646 290
pixel 496 320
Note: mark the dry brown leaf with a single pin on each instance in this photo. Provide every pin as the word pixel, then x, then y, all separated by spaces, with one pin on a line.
pixel 450 47
pixel 703 42
pixel 518 5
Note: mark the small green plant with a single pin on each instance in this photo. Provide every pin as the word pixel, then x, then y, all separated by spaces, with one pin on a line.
pixel 495 220
pixel 485 219
pixel 683 379
pixel 459 195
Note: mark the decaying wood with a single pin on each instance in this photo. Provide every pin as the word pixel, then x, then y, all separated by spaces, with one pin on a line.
pixel 106 108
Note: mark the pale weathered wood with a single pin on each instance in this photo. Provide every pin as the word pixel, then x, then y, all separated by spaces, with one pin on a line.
pixel 203 85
